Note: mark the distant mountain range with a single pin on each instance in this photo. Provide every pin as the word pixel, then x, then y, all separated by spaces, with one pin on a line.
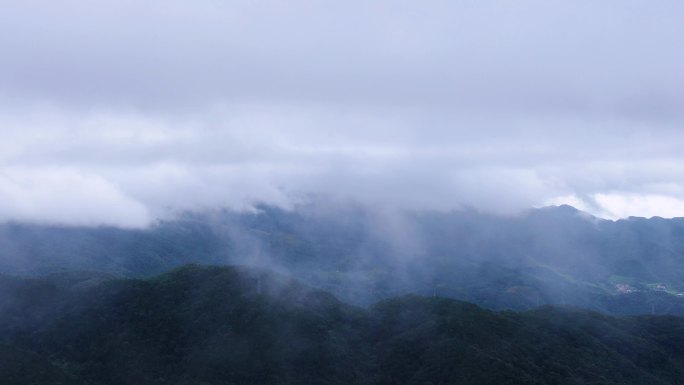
pixel 552 255
pixel 235 325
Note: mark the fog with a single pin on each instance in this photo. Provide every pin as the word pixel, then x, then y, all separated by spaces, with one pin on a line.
pixel 123 112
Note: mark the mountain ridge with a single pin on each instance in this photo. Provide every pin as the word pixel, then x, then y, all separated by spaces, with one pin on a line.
pixel 551 255
pixel 211 325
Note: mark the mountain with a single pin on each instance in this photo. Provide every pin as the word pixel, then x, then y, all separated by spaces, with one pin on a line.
pixel 192 325
pixel 21 367
pixel 218 325
pixel 552 255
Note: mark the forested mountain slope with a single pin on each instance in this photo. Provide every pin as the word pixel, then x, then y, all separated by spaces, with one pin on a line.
pixel 554 255
pixel 217 325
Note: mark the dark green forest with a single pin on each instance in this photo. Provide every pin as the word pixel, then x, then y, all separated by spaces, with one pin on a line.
pixel 238 325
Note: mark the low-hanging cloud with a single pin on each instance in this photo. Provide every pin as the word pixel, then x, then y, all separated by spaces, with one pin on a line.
pixel 122 112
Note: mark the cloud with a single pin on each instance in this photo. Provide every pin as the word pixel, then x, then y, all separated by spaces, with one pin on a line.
pixel 156 107
pixel 621 206
pixel 60 196
pixel 615 58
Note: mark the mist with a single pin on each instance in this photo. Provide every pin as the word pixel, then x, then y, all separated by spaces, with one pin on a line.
pixel 554 255
pixel 126 113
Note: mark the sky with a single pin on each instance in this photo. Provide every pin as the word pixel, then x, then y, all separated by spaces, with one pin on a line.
pixel 122 112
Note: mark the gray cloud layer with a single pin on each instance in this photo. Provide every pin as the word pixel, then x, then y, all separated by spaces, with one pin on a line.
pixel 121 111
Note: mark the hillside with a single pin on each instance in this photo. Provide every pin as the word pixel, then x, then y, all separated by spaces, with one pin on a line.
pixel 553 255
pixel 216 325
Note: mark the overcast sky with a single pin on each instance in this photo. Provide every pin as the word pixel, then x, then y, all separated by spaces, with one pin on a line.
pixel 121 111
